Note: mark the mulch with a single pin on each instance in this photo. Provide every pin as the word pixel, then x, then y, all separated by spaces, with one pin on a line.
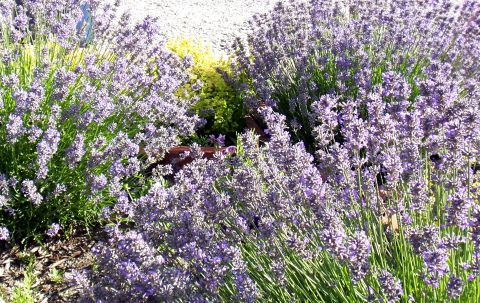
pixel 61 254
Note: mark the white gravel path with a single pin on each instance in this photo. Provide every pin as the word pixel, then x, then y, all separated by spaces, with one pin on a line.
pixel 215 21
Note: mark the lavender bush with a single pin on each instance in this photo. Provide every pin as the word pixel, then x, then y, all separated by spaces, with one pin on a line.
pixel 306 49
pixel 384 210
pixel 87 101
pixel 190 238
pixel 265 226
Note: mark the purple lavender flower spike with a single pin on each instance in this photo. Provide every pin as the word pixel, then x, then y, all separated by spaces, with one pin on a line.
pixel 390 286
pixel 31 192
pixel 4 234
pixel 53 230
pixel 454 287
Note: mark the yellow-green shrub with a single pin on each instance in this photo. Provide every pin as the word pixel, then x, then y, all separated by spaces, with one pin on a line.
pixel 218 102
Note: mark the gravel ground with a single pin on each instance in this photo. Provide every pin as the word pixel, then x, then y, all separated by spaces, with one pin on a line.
pixel 215 21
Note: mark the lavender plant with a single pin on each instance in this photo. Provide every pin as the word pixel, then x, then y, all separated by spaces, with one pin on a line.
pixel 189 239
pixel 303 50
pixel 387 212
pixel 268 225
pixel 87 102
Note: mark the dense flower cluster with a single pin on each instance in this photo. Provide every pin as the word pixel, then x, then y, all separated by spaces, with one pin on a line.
pixel 306 49
pixel 187 241
pixel 387 97
pixel 188 237
pixel 86 104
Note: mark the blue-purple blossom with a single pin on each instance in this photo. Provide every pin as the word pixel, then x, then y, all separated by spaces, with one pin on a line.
pixel 98 183
pixel 200 206
pixel 424 238
pixel 76 151
pixel 15 128
pixel 220 140
pixel 436 262
pixel 4 233
pixel 390 286
pixel 29 189
pixel 370 110
pixel 458 209
pixel 59 189
pixel 376 110
pixel 454 287
pixel 475 231
pixel 53 230
pixel 45 151
pixel 358 253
